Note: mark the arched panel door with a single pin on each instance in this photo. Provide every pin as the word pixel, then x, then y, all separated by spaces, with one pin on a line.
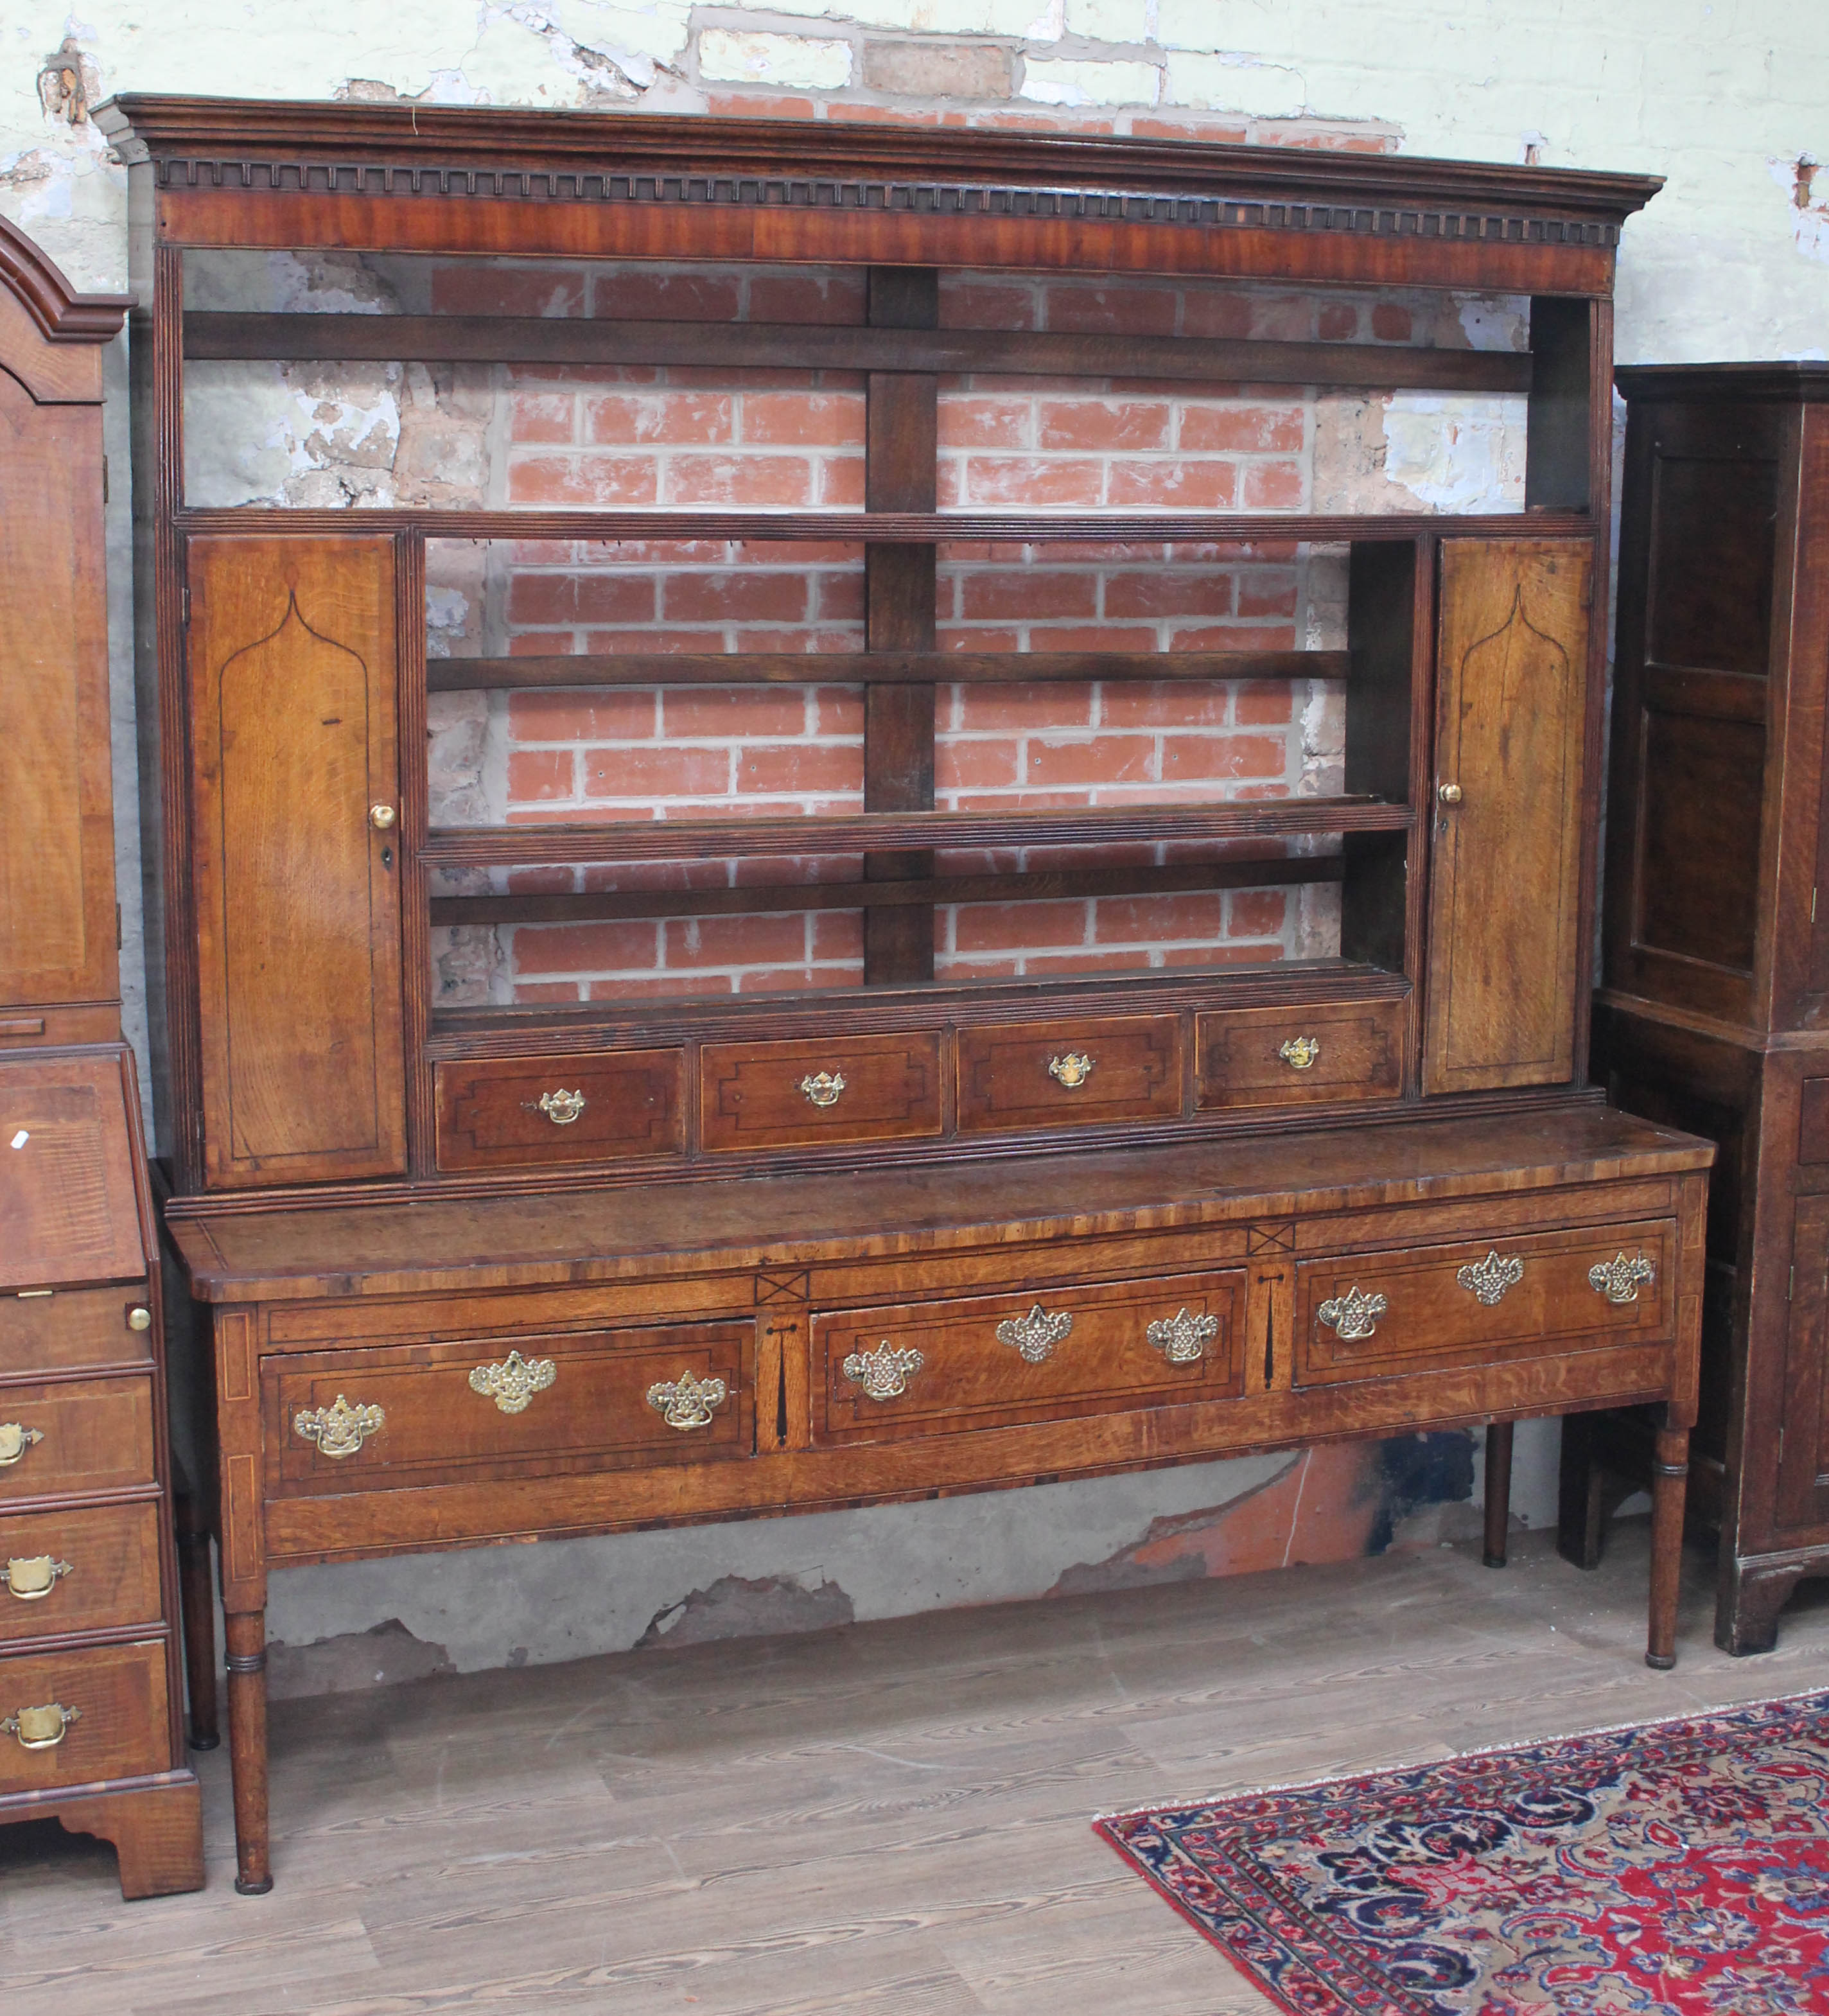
pixel 297 885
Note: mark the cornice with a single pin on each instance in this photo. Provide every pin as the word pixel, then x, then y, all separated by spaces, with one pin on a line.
pixel 1789 380
pixel 62 315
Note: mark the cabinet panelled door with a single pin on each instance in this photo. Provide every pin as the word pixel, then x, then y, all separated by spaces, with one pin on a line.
pixel 293 813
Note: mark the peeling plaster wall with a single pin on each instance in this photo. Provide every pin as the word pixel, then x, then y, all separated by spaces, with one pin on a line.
pixel 1730 102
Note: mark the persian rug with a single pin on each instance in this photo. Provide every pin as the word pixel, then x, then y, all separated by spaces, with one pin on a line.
pixel 1680 1866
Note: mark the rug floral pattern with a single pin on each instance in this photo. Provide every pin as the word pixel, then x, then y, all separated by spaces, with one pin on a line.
pixel 1681 1867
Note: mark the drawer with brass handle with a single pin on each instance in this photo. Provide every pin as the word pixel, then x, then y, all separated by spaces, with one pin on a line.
pixel 91 1568
pixel 391 1416
pixel 1527 1295
pixel 1293 1056
pixel 514 1113
pixel 925 1368
pixel 45 1330
pixel 794 1094
pixel 1068 1074
pixel 65 1438
pixel 76 1718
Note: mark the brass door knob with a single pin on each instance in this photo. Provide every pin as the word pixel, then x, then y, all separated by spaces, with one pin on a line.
pixel 139 1317
pixel 381 817
pixel 1449 794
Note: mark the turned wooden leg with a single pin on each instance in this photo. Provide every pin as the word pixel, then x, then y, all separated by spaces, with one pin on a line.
pixel 199 1620
pixel 247 1747
pixel 1498 1491
pixel 1669 1475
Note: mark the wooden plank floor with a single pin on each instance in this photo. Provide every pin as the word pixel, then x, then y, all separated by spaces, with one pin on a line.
pixel 892 1817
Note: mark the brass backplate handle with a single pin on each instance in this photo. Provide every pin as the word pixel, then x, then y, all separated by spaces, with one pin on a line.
pixel 1619 1278
pixel 33 1578
pixel 15 1439
pixel 1352 1315
pixel 41 1728
pixel 1300 1052
pixel 1071 1069
pixel 340 1430
pixel 823 1087
pixel 1487 1280
pixel 687 1402
pixel 561 1107
pixel 1183 1338
pixel 885 1373
pixel 512 1383
pixel 1033 1336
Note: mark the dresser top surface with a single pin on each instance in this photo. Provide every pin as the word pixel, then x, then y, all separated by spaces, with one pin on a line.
pixel 401 1247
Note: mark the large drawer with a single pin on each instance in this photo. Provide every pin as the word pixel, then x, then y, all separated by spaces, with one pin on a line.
pixel 41 1330
pixel 512 1112
pixel 984 1362
pixel 90 1568
pixel 412 1415
pixel 1111 1068
pixel 99 1713
pixel 789 1095
pixel 1298 1057
pixel 75 1437
pixel 1376 1315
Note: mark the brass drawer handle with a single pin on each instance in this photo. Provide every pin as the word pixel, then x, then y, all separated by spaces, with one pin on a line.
pixel 514 1382
pixel 1619 1278
pixel 340 1430
pixel 1487 1280
pixel 687 1402
pixel 32 1580
pixel 1352 1315
pixel 1071 1070
pixel 139 1317
pixel 15 1439
pixel 561 1107
pixel 1033 1336
pixel 1300 1052
pixel 885 1373
pixel 1183 1338
pixel 41 1728
pixel 824 1090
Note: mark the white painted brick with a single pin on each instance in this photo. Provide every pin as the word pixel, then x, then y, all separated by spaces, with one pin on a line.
pixel 1233 84
pixel 1109 20
pixel 798 63
pixel 1063 80
pixel 1027 21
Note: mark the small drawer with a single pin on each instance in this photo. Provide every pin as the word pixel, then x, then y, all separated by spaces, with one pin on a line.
pixel 41 1329
pixel 930 1368
pixel 88 1569
pixel 1297 1056
pixel 516 1113
pixel 1374 1315
pixel 89 1435
pixel 1111 1067
pixel 534 1405
pixel 75 1718
pixel 844 1088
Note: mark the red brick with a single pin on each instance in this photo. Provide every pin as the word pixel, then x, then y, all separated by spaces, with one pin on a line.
pixel 969 303
pixel 1390 323
pixel 653 294
pixel 546 990
pixel 1034 485
pixel 758 481
pixel 948 967
pixel 803 419
pixel 697 419
pixel 658 875
pixel 649 774
pixel 1338 322
pixel 1256 913
pixel 1236 637
pixel 950 638
pixel 1256 429
pixel 949 483
pixel 1164 704
pixel 765 940
pixel 1266 594
pixel 603 948
pixel 778 767
pixel 624 715
pixel 538 774
pixel 838 598
pixel 975 765
pixel 540 644
pixel 1001 926
pixel 1274 486
pixel 966 422
pixel 1260 953
pixel 572 598
pixel 1103 424
pixel 1156 126
pixel 1091 637
pixel 838 934
pixel 840 485
pixel 1130 309
pixel 1108 759
pixel 1139 919
pixel 760 594
pixel 1190 757
pixel 825 297
pixel 542 416
pixel 541 881
pixel 1262 704
pixel 468 287
pixel 1028 594
pixel 838 710
pixel 653 640
pixel 669 988
pixel 1079 961
pixel 1196 486
pixel 995 709
pixel 733 712
pixel 1175 592
pixel 1286 317
pixel 758 105
pixel 583 480
pixel 1205 313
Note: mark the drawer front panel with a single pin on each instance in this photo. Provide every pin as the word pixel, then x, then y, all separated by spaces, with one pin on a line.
pixel 1069 1073
pixel 74 1327
pixel 1376 1314
pixel 424 1414
pixel 119 1728
pixel 883 1374
pixel 85 1570
pixel 511 1113
pixel 1295 1056
pixel 92 1435
pixel 792 1094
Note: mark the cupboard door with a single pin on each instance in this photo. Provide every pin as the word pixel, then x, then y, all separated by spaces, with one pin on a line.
pixel 1505 895
pixel 292 679
pixel 1802 1430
